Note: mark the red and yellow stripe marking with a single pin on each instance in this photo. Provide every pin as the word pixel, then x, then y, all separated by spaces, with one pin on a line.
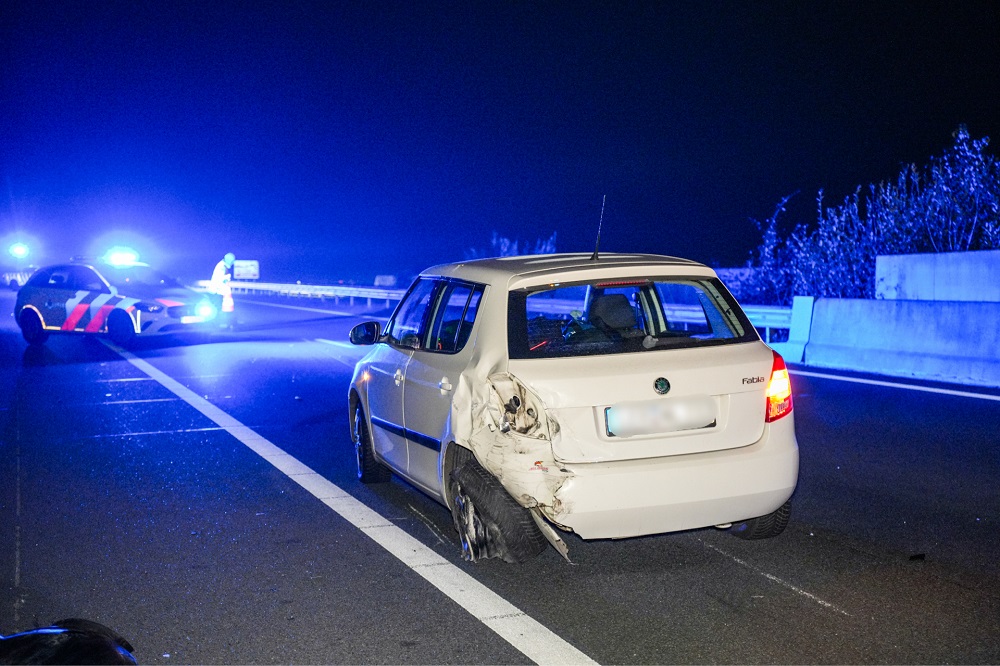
pixel 75 316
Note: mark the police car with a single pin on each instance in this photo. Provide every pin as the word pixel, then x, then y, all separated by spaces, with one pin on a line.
pixel 120 301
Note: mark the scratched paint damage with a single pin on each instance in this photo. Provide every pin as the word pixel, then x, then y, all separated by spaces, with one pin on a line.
pixel 511 435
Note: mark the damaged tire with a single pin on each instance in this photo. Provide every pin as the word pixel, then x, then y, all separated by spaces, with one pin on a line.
pixel 765 527
pixel 370 470
pixel 489 521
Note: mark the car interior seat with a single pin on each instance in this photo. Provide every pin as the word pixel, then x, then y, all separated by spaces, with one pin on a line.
pixel 614 314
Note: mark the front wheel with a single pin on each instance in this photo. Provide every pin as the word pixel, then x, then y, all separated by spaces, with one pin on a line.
pixel 370 470
pixel 121 330
pixel 765 527
pixel 32 330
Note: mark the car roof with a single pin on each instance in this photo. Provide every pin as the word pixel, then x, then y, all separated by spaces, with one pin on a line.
pixel 96 265
pixel 505 270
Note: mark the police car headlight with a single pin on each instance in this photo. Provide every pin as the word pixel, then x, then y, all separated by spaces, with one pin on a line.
pixel 149 307
pixel 205 310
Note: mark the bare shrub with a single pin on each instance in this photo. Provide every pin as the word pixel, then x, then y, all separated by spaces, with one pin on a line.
pixel 952 205
pixel 501 246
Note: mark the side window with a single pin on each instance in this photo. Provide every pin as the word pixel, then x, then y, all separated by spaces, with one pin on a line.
pixel 86 279
pixel 471 309
pixel 60 278
pixel 408 323
pixel 40 278
pixel 454 316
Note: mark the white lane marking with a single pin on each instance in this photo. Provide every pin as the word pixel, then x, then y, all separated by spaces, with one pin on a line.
pixel 522 631
pixel 784 583
pixel 146 433
pixel 911 387
pixel 131 402
pixel 301 307
pixel 17 533
pixel 336 343
pixel 343 346
pixel 124 379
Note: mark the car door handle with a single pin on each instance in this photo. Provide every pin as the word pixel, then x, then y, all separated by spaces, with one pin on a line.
pixel 444 385
pixel 398 377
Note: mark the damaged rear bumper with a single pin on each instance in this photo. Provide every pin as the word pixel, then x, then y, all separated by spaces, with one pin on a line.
pixel 641 497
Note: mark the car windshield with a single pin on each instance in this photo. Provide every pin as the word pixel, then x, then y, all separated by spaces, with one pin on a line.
pixel 124 277
pixel 622 316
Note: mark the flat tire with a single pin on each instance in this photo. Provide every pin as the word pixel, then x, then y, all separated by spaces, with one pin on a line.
pixel 489 521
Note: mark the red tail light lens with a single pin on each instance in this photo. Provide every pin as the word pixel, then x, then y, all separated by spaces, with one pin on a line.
pixel 779 390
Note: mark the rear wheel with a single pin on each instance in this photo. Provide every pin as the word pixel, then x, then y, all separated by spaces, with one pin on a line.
pixel 31 328
pixel 370 470
pixel 489 522
pixel 765 527
pixel 121 330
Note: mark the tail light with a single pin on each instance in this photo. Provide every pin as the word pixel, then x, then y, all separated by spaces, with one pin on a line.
pixel 779 390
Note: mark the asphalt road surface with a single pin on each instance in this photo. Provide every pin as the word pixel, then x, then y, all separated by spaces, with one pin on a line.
pixel 199 496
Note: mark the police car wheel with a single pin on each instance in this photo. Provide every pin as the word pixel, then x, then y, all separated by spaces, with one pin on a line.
pixel 31 328
pixel 121 330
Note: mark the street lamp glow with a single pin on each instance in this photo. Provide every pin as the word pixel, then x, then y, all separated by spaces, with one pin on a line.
pixel 19 250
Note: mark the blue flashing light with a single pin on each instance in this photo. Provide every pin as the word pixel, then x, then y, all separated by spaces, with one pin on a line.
pixel 206 310
pixel 19 250
pixel 203 311
pixel 121 256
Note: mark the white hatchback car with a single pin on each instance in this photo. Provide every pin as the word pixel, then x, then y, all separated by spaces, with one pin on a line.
pixel 617 397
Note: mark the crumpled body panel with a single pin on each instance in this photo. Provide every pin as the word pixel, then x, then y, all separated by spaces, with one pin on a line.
pixel 511 434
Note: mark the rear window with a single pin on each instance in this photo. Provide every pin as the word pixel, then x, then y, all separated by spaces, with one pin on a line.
pixel 623 316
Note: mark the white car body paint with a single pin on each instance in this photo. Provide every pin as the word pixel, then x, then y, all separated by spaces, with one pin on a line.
pixel 562 463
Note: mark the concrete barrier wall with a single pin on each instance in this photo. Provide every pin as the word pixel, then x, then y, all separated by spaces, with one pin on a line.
pixel 948 276
pixel 948 341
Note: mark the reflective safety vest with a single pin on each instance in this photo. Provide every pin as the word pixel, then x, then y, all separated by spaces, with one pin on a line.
pixel 220 285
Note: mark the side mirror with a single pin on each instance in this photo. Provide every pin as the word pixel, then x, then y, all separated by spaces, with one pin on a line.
pixel 366 333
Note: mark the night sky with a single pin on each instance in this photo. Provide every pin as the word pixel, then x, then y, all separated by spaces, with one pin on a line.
pixel 347 139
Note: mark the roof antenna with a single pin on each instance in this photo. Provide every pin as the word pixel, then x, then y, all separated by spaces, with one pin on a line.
pixel 597 245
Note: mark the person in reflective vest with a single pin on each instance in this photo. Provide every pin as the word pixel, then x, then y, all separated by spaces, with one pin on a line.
pixel 221 277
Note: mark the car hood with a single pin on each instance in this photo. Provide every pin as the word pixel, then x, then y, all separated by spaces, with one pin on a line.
pixel 156 293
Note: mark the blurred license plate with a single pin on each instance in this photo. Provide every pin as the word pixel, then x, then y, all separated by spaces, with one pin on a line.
pixel 660 416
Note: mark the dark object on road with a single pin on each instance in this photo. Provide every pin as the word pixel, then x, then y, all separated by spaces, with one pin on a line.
pixel 71 641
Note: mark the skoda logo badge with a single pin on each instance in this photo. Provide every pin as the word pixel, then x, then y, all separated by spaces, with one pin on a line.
pixel 661 385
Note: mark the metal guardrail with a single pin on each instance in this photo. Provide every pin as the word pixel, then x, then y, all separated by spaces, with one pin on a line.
pixel 767 317
pixel 335 292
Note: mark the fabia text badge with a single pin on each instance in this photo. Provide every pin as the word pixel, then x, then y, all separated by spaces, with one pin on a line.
pixel 661 385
